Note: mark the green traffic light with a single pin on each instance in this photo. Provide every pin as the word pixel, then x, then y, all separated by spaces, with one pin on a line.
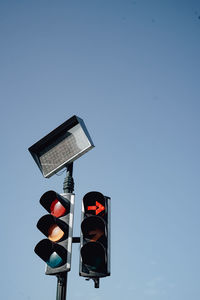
pixel 94 256
pixel 95 263
pixel 55 260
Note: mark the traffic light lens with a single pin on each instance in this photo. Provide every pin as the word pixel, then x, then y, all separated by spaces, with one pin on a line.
pixel 96 263
pixel 93 255
pixel 57 209
pixel 55 260
pixel 55 233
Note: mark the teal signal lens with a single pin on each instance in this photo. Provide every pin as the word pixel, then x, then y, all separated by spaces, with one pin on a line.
pixel 55 260
pixel 93 255
pixel 96 263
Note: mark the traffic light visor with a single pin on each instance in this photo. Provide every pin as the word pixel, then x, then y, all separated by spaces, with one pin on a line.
pixel 53 228
pixel 55 204
pixel 94 204
pixel 53 254
pixel 93 228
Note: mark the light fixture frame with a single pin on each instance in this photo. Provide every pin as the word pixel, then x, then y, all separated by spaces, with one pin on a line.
pixel 52 139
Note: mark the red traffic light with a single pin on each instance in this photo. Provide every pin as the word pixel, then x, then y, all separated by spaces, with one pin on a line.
pixel 94 204
pixel 95 236
pixel 97 208
pixel 55 204
pixel 57 209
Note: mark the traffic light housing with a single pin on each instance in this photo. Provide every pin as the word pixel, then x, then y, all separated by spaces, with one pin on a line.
pixel 95 236
pixel 57 226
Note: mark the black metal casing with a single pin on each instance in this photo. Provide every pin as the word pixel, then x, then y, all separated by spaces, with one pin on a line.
pixel 95 236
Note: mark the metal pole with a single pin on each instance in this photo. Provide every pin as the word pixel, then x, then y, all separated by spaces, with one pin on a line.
pixel 61 286
pixel 68 187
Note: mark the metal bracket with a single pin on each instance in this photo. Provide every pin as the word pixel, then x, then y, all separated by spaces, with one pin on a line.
pixel 76 240
pixel 96 282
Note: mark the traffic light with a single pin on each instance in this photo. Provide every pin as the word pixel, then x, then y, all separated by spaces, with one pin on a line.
pixel 57 226
pixel 95 236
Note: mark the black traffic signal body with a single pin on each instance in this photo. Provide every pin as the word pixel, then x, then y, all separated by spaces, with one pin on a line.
pixel 95 236
pixel 57 226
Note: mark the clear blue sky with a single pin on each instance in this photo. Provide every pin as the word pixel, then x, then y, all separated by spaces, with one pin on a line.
pixel 131 70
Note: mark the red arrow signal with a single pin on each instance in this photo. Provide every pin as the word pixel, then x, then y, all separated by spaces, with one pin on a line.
pixel 98 208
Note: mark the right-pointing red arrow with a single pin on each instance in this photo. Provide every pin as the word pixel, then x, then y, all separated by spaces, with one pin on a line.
pixel 98 208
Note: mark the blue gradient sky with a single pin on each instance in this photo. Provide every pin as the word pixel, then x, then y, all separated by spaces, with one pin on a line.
pixel 131 70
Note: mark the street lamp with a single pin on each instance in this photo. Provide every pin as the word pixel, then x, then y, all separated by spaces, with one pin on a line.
pixel 62 146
